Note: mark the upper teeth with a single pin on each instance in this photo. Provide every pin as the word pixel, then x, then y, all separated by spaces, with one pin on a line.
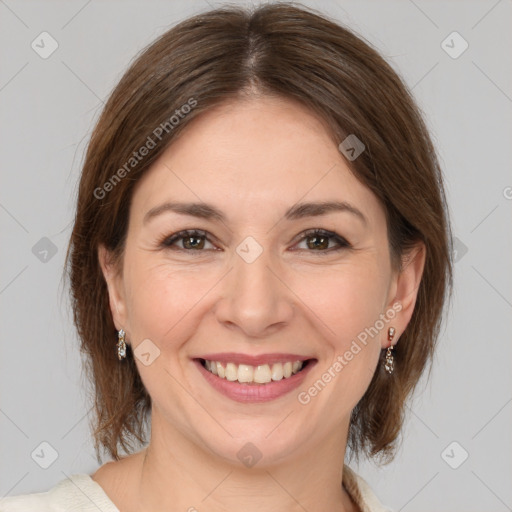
pixel 261 374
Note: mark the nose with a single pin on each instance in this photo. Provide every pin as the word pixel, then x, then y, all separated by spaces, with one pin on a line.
pixel 255 299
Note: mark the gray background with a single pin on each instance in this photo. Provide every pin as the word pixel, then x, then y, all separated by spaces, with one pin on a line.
pixel 48 107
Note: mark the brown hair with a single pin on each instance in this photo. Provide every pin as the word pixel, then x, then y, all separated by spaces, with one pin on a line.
pixel 231 52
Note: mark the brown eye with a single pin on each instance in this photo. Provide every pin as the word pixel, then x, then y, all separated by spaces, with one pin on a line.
pixel 318 240
pixel 191 240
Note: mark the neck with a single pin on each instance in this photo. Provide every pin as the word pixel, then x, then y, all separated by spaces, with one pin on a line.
pixel 176 474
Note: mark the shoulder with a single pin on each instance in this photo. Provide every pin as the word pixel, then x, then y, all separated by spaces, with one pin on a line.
pixel 78 493
pixel 361 492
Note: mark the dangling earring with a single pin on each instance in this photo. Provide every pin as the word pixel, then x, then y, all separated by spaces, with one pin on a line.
pixel 121 345
pixel 389 364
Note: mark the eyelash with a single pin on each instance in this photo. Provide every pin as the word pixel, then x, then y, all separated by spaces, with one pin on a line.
pixel 190 233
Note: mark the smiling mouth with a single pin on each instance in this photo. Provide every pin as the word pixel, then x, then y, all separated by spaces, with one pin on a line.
pixel 255 375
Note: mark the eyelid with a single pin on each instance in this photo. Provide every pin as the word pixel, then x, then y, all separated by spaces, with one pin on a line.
pixel 170 240
pixel 342 242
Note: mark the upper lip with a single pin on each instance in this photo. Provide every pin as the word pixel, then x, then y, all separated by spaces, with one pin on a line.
pixel 252 360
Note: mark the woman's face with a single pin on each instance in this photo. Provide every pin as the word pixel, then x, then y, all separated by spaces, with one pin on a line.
pixel 255 290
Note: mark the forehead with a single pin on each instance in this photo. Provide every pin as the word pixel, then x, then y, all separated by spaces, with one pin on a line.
pixel 250 154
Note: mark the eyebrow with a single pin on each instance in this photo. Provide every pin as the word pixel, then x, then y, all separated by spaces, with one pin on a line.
pixel 297 211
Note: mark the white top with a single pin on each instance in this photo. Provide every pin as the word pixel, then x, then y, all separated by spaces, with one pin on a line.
pixel 80 493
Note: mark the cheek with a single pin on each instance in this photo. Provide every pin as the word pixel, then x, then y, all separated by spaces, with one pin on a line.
pixel 162 309
pixel 346 300
pixel 159 300
pixel 349 304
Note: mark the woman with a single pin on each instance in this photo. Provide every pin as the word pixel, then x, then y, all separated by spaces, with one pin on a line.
pixel 258 265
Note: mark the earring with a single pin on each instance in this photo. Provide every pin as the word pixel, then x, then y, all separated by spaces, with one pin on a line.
pixel 389 364
pixel 121 345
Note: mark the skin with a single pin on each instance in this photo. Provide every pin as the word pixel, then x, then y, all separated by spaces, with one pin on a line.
pixel 252 159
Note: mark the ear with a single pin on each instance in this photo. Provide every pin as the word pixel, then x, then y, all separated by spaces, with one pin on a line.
pixel 116 293
pixel 404 289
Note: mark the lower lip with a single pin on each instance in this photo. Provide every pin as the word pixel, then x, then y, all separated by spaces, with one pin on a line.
pixel 254 393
